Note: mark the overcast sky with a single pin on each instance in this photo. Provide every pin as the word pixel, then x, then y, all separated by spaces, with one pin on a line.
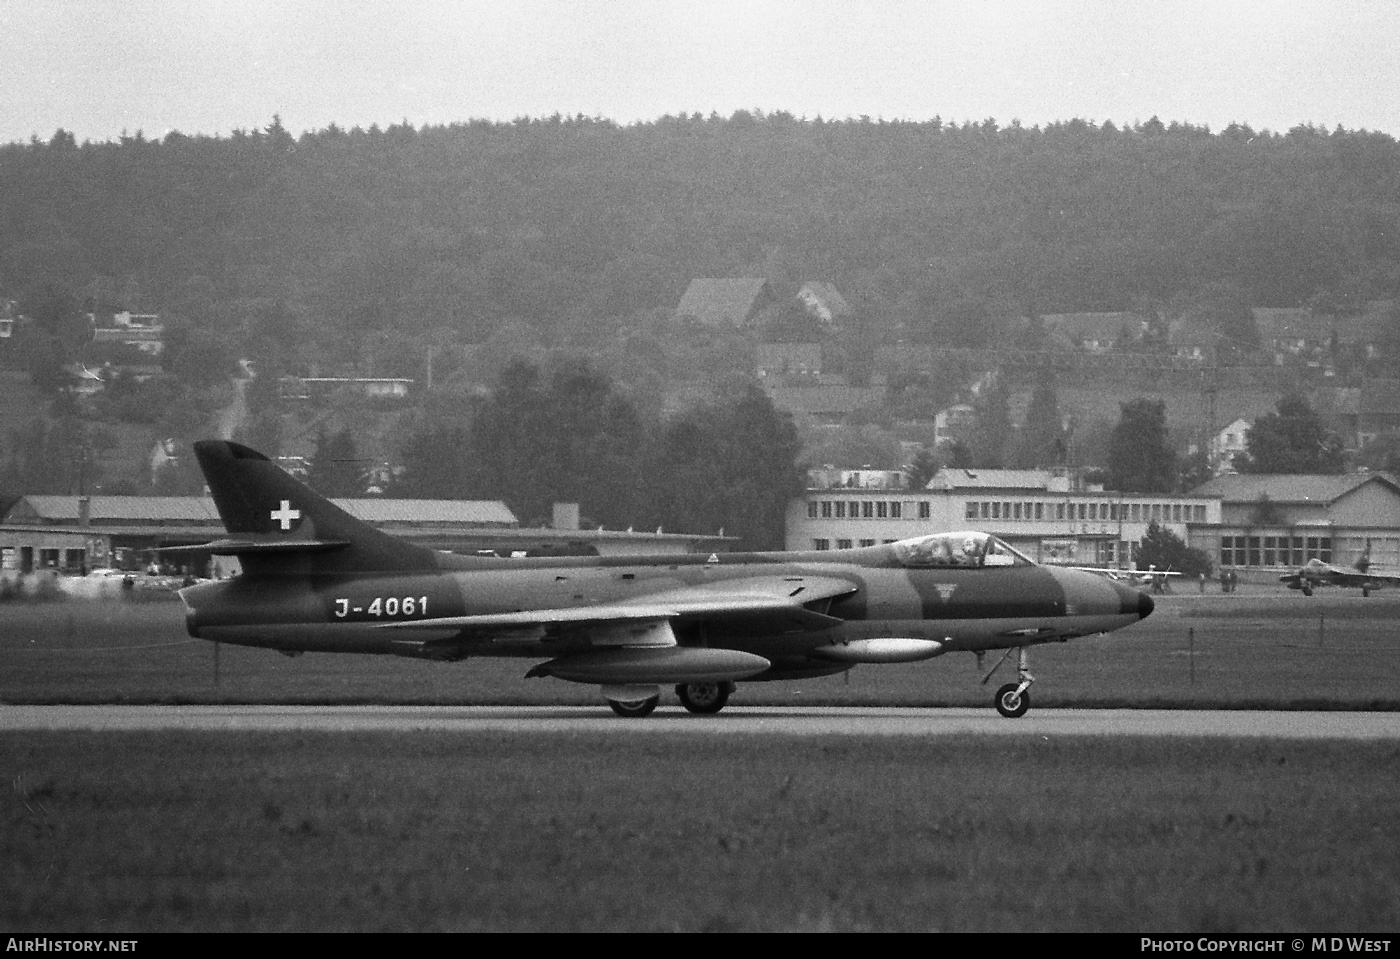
pixel 101 67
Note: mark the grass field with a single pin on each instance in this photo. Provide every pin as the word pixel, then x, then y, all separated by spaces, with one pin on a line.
pixel 592 832
pixel 140 832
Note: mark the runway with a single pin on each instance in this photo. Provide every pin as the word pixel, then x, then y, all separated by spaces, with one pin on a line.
pixel 752 720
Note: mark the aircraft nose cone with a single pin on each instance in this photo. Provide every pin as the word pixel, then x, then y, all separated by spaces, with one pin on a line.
pixel 1133 601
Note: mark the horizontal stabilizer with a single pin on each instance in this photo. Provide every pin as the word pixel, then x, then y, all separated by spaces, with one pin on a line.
pixel 243 547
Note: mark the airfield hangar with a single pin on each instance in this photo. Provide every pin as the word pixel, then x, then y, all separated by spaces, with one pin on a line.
pixel 1049 515
pixel 1266 523
pixel 74 534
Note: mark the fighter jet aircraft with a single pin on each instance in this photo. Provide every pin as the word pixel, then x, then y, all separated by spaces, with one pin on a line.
pixel 315 578
pixel 1317 573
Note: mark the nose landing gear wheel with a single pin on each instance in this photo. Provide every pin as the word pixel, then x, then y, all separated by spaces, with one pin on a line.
pixel 1011 704
pixel 704 698
pixel 636 708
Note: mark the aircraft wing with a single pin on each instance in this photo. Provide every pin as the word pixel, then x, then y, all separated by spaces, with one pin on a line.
pixel 784 602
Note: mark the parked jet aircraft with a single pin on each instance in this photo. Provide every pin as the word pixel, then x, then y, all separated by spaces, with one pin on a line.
pixel 1317 573
pixel 316 579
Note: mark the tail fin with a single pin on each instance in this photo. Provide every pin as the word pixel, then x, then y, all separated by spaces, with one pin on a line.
pixel 278 526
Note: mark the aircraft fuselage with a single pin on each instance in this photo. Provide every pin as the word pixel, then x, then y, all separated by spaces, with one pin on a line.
pixel 963 609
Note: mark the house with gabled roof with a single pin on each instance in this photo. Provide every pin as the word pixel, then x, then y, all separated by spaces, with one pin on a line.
pixel 1229 442
pixel 732 302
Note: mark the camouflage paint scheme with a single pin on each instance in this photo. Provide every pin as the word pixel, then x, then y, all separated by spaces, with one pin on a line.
pixel 316 579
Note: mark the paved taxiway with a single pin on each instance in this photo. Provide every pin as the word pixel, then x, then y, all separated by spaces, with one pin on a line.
pixel 770 720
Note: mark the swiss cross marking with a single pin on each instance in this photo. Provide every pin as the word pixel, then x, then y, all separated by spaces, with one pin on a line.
pixel 285 514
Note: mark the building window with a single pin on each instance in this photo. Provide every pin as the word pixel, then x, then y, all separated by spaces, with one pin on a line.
pixel 1059 510
pixel 996 511
pixel 840 509
pixel 1039 510
pixel 821 544
pixel 1017 508
pixel 1083 511
pixel 826 509
pixel 985 508
pixel 867 542
pixel 923 509
pixel 971 512
pixel 843 544
pixel 896 510
pixel 812 510
pixel 1093 510
pixel 855 509
pixel 882 511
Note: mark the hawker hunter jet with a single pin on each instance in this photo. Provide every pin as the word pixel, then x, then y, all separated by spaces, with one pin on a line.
pixel 1317 573
pixel 315 579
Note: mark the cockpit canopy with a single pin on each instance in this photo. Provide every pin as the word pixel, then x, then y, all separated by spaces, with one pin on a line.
pixel 969 550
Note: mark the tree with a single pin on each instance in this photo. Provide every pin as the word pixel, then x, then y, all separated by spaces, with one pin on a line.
pixel 924 468
pixel 1042 441
pixel 732 464
pixel 1291 440
pixel 994 432
pixel 1165 550
pixel 1140 460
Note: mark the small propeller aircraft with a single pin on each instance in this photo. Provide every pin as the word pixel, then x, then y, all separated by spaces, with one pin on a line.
pixel 315 579
pixel 1152 576
pixel 1316 573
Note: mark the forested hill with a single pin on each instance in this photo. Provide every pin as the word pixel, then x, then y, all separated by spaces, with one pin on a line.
pixel 560 221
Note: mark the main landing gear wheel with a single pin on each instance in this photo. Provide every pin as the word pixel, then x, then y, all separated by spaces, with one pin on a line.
pixel 1012 704
pixel 636 708
pixel 705 698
